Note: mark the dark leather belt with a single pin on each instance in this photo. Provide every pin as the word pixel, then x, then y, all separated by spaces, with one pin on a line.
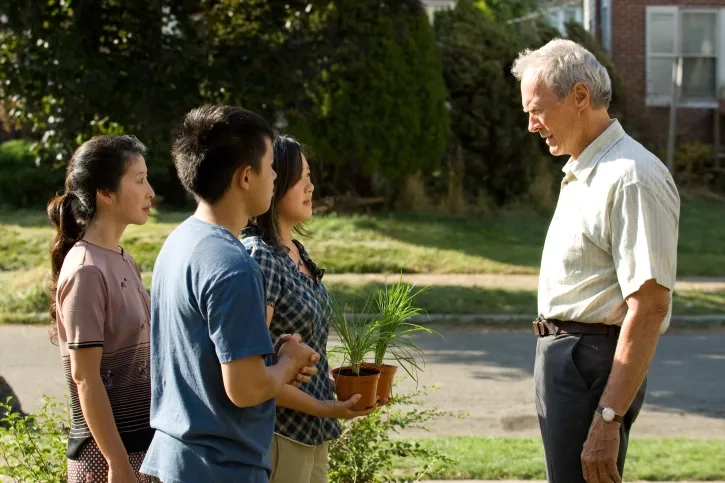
pixel 545 327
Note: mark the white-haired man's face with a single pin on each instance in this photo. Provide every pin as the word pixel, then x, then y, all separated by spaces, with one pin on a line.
pixel 557 121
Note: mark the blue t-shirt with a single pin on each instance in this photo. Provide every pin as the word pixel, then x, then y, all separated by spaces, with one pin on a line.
pixel 207 305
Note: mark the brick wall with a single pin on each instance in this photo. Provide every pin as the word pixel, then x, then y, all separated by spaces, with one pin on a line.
pixel 629 56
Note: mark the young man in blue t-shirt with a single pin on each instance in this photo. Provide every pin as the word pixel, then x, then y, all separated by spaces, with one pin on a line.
pixel 213 388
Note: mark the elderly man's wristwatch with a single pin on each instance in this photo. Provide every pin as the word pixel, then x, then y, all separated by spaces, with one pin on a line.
pixel 608 415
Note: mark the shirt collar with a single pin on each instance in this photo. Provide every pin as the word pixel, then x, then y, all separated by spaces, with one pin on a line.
pixel 583 166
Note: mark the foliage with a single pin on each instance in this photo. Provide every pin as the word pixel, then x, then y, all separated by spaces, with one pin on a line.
pixel 358 334
pixel 361 79
pixel 34 299
pixel 382 327
pixel 502 10
pixel 364 453
pixel 71 70
pixel 497 151
pixel 394 308
pixel 33 447
pixel 22 182
pixel 693 163
pixel 377 110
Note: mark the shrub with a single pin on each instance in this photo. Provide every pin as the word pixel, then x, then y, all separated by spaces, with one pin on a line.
pixel 378 112
pixel 694 161
pixel 33 447
pixel 365 451
pixel 31 300
pixel 497 152
pixel 22 182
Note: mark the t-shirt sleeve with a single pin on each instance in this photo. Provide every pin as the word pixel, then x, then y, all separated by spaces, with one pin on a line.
pixel 237 319
pixel 644 238
pixel 82 300
pixel 271 272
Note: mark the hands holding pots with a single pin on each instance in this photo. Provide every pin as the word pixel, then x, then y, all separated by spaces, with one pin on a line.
pixel 291 346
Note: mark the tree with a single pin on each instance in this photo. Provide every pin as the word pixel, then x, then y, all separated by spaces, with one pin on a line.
pixel 378 105
pixel 72 70
pixel 497 153
pixel 111 66
pixel 502 10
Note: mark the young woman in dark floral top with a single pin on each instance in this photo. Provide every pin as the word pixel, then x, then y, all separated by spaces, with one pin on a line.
pixel 297 302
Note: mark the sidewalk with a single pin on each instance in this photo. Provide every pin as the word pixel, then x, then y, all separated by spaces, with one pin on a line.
pixel 510 282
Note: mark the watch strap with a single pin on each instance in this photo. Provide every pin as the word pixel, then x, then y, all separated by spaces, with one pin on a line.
pixel 617 417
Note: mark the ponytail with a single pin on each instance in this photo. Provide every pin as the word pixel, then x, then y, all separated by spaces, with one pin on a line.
pixel 63 211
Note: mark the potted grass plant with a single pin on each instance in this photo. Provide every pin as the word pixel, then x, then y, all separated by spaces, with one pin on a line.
pixel 394 308
pixel 358 336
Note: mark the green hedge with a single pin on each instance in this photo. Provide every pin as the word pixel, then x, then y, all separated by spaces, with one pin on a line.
pixel 22 182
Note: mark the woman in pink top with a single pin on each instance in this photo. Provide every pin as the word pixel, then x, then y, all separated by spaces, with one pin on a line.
pixel 100 309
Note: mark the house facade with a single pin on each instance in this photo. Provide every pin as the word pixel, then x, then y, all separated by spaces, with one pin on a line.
pixel 433 6
pixel 560 13
pixel 645 39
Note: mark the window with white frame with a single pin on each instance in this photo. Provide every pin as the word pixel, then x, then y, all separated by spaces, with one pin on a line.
pixel 694 35
pixel 433 6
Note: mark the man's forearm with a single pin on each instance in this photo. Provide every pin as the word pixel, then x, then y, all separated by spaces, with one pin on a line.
pixel 292 398
pixel 278 376
pixel 246 390
pixel 635 350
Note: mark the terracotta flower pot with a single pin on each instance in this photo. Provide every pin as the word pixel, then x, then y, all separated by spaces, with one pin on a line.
pixel 347 384
pixel 387 376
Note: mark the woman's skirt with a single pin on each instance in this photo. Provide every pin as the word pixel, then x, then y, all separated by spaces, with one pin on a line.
pixel 91 466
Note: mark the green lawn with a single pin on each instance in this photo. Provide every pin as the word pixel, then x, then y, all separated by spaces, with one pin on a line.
pixel 477 300
pixel 23 299
pixel 510 243
pixel 413 243
pixel 493 458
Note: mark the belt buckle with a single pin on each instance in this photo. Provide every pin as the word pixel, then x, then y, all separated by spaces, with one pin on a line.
pixel 541 329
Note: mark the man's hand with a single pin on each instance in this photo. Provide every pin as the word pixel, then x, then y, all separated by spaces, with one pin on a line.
pixel 306 373
pixel 284 338
pixel 647 307
pixel 600 453
pixel 341 409
pixel 300 355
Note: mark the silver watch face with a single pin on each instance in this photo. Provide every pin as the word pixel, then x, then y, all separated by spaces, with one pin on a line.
pixel 608 414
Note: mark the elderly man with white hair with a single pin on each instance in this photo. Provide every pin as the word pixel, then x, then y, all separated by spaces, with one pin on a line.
pixel 607 271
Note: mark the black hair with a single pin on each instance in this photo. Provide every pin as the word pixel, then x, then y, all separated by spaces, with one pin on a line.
pixel 97 165
pixel 212 143
pixel 288 165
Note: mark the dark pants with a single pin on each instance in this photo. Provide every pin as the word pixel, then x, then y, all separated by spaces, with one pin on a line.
pixel 570 374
